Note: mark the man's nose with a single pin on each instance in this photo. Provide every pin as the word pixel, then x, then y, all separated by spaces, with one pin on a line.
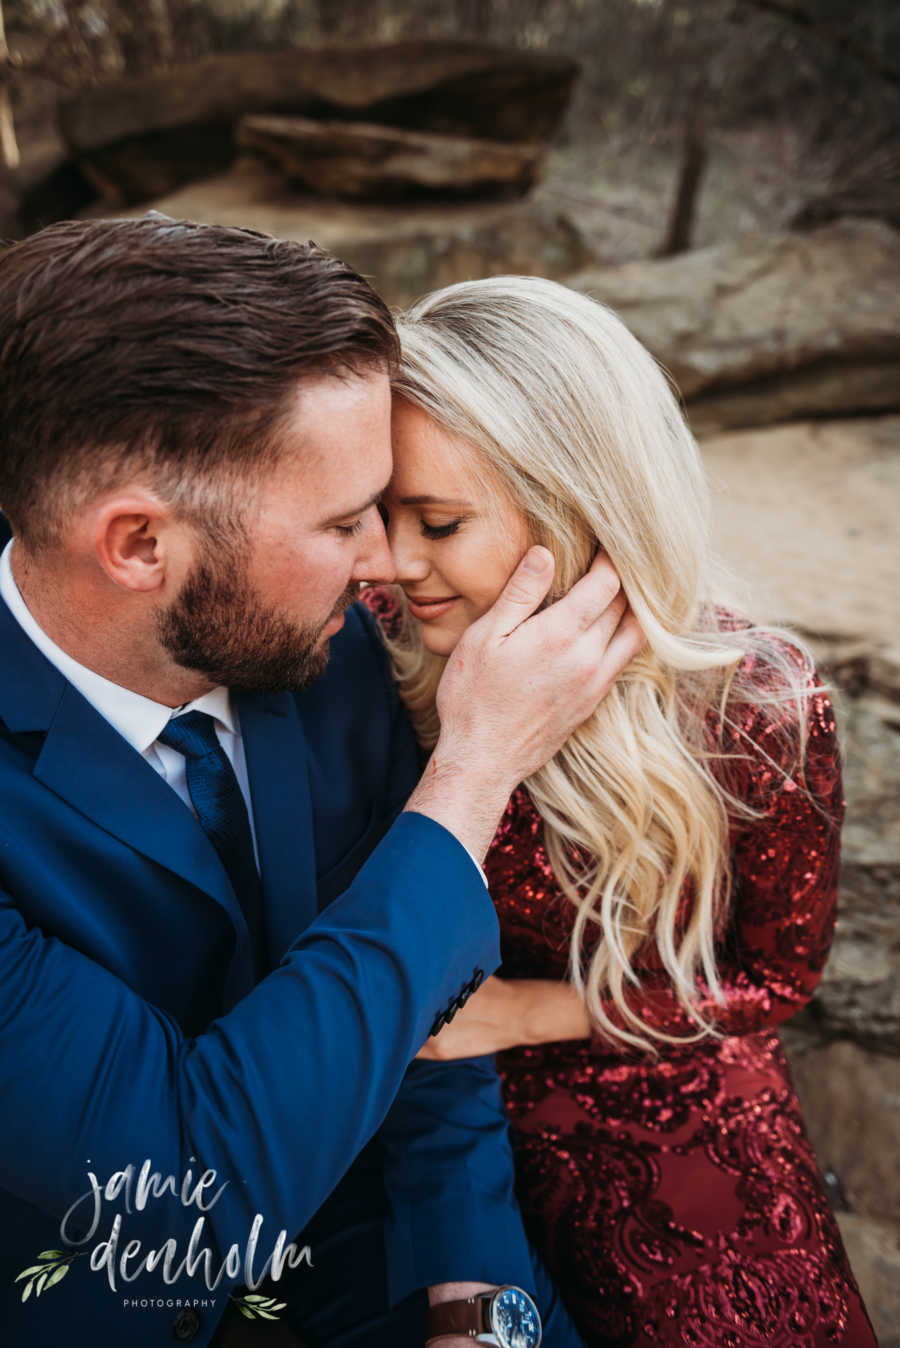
pixel 375 562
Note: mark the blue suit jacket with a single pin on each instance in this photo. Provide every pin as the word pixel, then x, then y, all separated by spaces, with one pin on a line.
pixel 130 1029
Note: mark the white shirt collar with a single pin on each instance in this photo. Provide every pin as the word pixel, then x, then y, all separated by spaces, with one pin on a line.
pixel 138 719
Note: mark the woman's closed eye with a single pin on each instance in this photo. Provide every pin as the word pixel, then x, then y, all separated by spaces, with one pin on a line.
pixel 435 531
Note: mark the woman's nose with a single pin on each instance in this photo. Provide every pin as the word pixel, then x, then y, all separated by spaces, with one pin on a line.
pixel 410 560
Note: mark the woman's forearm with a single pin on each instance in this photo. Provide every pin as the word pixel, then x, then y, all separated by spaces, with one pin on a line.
pixel 549 1011
pixel 510 1013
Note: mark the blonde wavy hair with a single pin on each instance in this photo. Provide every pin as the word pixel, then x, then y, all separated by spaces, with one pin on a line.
pixel 570 417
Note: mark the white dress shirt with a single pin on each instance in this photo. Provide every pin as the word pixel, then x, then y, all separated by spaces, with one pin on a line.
pixel 138 719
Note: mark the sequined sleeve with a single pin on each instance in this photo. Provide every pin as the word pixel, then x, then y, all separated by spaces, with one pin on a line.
pixel 773 949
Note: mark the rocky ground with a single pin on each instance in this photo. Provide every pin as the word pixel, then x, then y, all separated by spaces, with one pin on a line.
pixel 807 515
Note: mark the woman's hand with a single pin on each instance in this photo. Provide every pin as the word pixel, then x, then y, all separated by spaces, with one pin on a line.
pixel 507 1013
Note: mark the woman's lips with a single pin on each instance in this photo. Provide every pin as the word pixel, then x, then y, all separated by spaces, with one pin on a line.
pixel 426 609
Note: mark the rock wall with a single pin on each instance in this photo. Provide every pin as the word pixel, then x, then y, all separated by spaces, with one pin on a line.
pixel 770 327
pixel 808 515
pixel 405 249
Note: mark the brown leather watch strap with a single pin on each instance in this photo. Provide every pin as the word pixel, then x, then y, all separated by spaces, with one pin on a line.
pixel 468 1317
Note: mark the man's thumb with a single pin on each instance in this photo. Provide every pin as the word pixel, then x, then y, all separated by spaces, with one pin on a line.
pixel 525 589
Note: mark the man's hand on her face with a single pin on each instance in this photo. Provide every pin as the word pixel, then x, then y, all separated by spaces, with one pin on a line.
pixel 517 685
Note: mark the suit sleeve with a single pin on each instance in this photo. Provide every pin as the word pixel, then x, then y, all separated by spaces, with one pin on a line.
pixel 278 1095
pixel 454 1216
pixel 448 1159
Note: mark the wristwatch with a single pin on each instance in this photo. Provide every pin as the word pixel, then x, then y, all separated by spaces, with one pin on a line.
pixel 506 1317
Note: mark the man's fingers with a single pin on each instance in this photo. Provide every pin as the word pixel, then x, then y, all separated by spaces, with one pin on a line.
pixel 626 642
pixel 590 599
pixel 609 621
pixel 524 590
pixel 611 656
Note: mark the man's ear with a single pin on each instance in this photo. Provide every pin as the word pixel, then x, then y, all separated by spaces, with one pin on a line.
pixel 134 539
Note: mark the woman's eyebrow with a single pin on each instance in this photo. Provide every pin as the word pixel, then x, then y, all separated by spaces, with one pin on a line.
pixel 432 500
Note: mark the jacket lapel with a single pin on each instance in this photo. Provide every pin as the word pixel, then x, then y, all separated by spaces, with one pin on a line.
pixel 276 752
pixel 89 765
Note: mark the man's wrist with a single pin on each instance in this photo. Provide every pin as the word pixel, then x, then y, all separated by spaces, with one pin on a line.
pixel 503 1315
pixel 467 798
pixel 456 1291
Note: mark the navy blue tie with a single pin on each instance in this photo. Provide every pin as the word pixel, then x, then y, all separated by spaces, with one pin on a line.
pixel 221 810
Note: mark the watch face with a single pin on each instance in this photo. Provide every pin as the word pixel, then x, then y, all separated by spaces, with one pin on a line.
pixel 515 1321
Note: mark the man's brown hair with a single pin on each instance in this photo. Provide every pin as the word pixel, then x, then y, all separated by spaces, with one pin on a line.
pixel 167 350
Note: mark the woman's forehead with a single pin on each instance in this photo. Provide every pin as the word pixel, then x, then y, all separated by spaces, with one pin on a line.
pixel 428 459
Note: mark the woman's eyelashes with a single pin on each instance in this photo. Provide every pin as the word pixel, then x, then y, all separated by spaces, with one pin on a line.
pixel 432 531
pixel 442 530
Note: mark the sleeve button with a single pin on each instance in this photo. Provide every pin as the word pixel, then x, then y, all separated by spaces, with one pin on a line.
pixel 185 1325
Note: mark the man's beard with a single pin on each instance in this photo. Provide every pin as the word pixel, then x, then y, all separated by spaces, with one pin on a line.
pixel 220 627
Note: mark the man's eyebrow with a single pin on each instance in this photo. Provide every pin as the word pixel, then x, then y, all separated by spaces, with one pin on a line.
pixel 356 510
pixel 433 500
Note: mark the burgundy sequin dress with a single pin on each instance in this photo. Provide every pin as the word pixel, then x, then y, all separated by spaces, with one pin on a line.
pixel 677 1201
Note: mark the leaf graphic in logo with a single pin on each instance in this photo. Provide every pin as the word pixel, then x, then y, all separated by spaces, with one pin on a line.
pixel 41 1276
pixel 254 1306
